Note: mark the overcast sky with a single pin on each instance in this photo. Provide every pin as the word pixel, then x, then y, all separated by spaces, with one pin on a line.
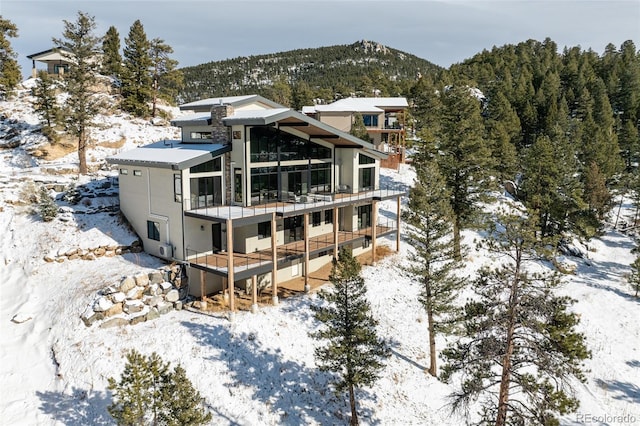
pixel 443 32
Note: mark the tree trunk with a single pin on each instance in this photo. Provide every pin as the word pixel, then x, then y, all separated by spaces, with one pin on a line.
pixel 82 154
pixel 352 403
pixel 503 396
pixel 155 97
pixel 457 253
pixel 432 343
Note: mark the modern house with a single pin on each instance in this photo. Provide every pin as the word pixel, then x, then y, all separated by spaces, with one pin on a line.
pixel 58 61
pixel 384 119
pixel 253 192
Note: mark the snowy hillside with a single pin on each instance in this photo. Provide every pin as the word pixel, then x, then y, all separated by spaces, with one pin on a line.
pixel 258 369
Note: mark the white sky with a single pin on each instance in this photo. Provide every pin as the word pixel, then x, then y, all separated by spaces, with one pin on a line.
pixel 443 32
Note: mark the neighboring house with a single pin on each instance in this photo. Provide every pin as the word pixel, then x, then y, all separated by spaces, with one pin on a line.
pixel 383 117
pixel 58 61
pixel 253 192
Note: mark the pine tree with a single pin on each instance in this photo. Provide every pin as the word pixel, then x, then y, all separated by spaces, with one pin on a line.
pixel 136 80
pixel 111 57
pixel 45 104
pixel 596 193
pixel 461 154
pixel 634 276
pixel 358 129
pixel 148 392
pixel 353 351
pixel 80 82
pixel 431 265
pixel 10 74
pixel 519 347
pixel 46 205
pixel 166 79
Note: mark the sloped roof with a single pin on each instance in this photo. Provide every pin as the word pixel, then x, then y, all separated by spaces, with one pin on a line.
pixel 360 105
pixel 203 105
pixel 169 154
pixel 54 54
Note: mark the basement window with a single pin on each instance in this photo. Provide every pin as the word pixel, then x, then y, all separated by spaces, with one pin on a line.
pixel 124 171
pixel 137 172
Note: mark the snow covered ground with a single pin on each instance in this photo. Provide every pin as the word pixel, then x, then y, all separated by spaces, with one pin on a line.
pixel 258 369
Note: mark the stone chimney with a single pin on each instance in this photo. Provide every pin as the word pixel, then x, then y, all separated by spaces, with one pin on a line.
pixel 219 132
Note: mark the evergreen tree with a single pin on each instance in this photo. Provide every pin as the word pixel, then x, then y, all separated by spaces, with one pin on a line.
pixel 634 276
pixel 81 106
pixel 164 75
pixel 137 89
pixel 358 129
pixel 596 193
pixel 10 74
pixel 301 95
pixel 519 347
pixel 111 57
pixel 431 265
pixel 149 393
pixel 280 91
pixel 353 351
pixel 46 205
pixel 45 104
pixel 462 154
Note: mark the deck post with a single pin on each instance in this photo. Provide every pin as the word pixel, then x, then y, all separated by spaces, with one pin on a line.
pixel 202 285
pixel 307 287
pixel 374 229
pixel 254 294
pixel 335 233
pixel 398 226
pixel 274 259
pixel 232 299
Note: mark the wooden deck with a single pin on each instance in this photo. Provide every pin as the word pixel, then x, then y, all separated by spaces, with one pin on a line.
pixel 218 262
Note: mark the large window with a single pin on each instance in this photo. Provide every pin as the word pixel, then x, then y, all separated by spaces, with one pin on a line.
pixel 153 230
pixel 363 159
pixel 366 176
pixel 269 144
pixel 370 120
pixel 293 180
pixel 206 192
pixel 293 229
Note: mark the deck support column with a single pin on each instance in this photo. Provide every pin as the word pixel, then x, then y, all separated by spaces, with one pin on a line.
pixel 202 285
pixel 335 233
pixel 307 286
pixel 374 231
pixel 274 259
pixel 254 294
pixel 230 267
pixel 398 226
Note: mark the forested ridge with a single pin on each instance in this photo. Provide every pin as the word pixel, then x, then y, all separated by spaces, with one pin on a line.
pixel 345 69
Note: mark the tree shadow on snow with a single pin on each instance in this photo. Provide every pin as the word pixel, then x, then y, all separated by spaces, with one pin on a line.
pixel 596 273
pixel 624 391
pixel 78 409
pixel 299 394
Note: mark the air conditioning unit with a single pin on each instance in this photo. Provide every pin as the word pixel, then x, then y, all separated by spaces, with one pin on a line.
pixel 165 250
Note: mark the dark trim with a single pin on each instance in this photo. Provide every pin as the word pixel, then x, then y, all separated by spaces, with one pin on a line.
pixel 324 137
pixel 298 124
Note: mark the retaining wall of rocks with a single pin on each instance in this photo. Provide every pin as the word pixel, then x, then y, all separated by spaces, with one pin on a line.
pixel 138 298
pixel 74 253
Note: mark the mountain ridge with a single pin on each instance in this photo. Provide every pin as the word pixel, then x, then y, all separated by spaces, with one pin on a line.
pixel 352 67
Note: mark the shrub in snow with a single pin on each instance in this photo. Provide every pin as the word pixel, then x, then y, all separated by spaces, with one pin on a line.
pixel 47 206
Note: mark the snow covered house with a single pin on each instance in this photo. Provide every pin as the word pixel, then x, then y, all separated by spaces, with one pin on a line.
pixel 253 191
pixel 384 119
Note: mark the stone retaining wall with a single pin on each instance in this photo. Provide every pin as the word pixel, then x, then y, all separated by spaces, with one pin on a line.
pixel 138 298
pixel 74 253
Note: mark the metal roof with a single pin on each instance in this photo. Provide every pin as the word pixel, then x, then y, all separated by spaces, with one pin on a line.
pixel 169 154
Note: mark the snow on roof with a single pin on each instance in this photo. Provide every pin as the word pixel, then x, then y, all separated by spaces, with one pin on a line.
pixel 257 113
pixel 308 109
pixel 169 154
pixel 364 104
pixel 217 101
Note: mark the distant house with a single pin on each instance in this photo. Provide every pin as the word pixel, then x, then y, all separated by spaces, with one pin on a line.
pixel 253 192
pixel 383 117
pixel 58 61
